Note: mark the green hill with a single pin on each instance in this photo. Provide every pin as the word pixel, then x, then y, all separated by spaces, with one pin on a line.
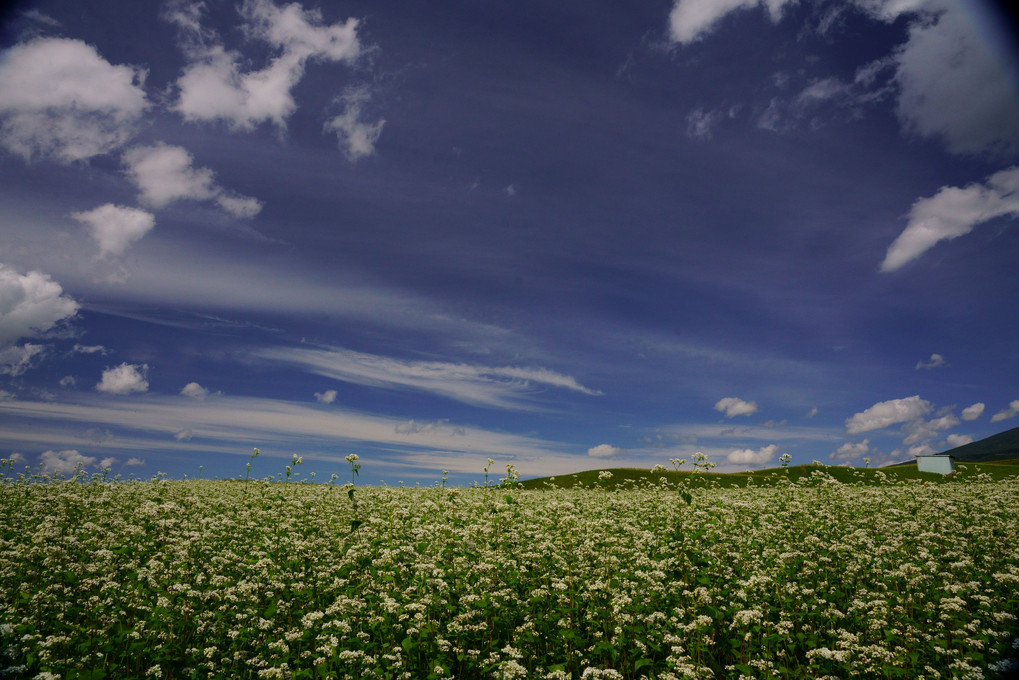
pixel 623 478
pixel 998 447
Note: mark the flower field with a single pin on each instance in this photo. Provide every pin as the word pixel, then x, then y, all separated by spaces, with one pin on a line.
pixel 277 579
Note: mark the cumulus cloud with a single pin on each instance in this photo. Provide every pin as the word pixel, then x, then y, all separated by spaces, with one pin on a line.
pixel 15 360
pixel 1005 414
pixel 124 379
pixel 603 451
pixel 60 99
pixel 195 391
pixel 327 397
pixel 955 440
pixel 64 462
pixel 134 462
pixel 887 413
pixel 936 361
pixel 973 412
pixel 17 459
pixel 750 457
pixel 951 213
pixel 30 305
pixel 734 406
pixel 920 450
pixel 107 462
pixel 215 86
pixel 115 227
pixel 68 381
pixel 850 450
pixel 920 430
pixel 164 173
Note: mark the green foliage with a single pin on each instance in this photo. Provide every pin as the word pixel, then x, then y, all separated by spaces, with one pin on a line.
pixel 800 575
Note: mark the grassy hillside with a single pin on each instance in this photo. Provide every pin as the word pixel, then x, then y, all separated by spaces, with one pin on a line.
pixel 629 477
pixel 999 447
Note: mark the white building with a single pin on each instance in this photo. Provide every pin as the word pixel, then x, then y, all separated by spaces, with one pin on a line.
pixel 941 464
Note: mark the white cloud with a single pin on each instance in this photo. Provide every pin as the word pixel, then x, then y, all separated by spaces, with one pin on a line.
pixel 887 413
pixel 107 462
pixel 195 391
pixel 495 386
pixel 973 412
pixel 64 462
pixel 124 379
pixel 953 86
pixel 850 450
pixel 68 381
pixel 17 459
pixel 733 406
pixel 59 98
pixel 955 440
pixel 750 457
pixel 134 462
pixel 603 451
pixel 241 207
pixel 936 361
pixel 214 87
pixel 510 190
pixel 1005 414
pixel 690 20
pixel 115 227
pixel 327 397
pixel 30 305
pixel 919 430
pixel 88 349
pixel 700 124
pixel 812 412
pixel 953 212
pixel 164 174
pixel 17 359
pixel 231 424
pixel 953 76
pixel 921 450
pixel 356 137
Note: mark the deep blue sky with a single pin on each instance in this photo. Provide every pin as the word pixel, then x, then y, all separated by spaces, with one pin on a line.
pixel 559 235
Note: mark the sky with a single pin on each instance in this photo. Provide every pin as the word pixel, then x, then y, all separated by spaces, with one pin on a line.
pixel 561 236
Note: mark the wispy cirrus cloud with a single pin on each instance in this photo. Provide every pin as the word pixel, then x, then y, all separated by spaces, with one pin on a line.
pixel 507 387
pixel 234 424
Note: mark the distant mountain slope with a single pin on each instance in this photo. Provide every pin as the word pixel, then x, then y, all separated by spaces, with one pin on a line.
pixel 1003 446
